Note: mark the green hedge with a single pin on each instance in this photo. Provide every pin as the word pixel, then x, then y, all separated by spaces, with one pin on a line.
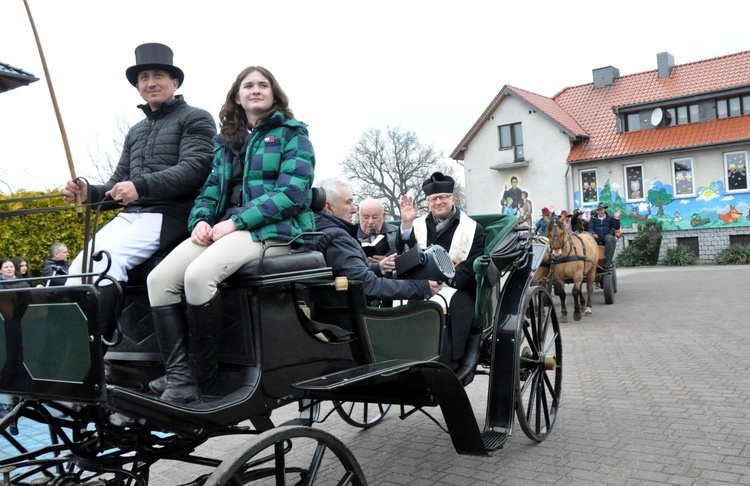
pixel 30 235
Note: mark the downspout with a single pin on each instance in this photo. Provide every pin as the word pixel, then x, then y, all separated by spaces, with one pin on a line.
pixel 567 191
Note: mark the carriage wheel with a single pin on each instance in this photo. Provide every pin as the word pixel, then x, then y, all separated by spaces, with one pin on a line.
pixel 608 286
pixel 291 455
pixel 540 377
pixel 614 278
pixel 361 414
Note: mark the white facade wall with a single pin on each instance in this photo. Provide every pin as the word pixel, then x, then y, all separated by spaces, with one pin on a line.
pixel 541 174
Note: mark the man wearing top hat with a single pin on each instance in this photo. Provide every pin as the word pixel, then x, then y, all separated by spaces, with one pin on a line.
pixel 165 160
pixel 462 237
pixel 602 227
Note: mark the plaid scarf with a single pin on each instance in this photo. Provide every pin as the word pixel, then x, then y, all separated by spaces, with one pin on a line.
pixel 442 224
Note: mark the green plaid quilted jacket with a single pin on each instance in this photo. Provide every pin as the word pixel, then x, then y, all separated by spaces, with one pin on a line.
pixel 279 165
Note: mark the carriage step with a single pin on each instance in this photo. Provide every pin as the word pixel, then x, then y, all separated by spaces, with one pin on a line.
pixel 493 440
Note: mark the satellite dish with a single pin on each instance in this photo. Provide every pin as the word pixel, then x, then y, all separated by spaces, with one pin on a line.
pixel 656 116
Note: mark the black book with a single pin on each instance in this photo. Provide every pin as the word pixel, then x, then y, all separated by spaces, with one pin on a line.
pixel 378 246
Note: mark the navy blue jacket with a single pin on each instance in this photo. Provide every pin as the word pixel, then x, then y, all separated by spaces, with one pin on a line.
pixel 603 227
pixel 345 255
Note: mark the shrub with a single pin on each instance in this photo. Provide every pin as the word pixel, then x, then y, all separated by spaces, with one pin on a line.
pixel 644 249
pixel 30 235
pixel 734 255
pixel 680 256
pixel 631 257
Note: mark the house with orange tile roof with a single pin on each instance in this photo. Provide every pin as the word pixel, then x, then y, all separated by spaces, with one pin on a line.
pixel 669 144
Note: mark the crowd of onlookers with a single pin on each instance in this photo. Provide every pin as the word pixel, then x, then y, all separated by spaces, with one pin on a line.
pixel 15 272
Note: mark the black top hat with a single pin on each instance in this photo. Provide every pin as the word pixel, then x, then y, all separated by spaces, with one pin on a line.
pixel 153 56
pixel 601 206
pixel 438 184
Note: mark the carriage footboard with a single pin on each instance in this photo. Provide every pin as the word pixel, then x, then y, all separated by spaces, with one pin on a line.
pixel 435 379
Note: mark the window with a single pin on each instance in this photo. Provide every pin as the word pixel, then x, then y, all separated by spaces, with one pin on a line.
pixel 511 136
pixel 721 109
pixel 589 192
pixel 682 177
pixel 705 109
pixel 634 183
pixel 735 165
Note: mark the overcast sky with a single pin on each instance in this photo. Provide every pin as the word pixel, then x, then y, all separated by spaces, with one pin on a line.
pixel 428 66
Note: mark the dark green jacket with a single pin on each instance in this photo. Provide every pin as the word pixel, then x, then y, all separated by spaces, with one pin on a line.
pixel 278 172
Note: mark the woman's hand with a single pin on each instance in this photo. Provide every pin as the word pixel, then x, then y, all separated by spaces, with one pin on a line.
pixel 201 234
pixel 222 229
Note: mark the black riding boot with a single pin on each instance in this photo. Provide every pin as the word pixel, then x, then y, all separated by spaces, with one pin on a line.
pixel 172 334
pixel 205 324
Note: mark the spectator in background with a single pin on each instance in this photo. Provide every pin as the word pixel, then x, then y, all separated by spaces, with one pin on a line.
pixel 22 267
pixel 56 264
pixel 541 224
pixel 8 276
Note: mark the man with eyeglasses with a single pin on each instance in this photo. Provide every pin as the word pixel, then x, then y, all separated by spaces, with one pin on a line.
pixel 447 226
pixel 372 224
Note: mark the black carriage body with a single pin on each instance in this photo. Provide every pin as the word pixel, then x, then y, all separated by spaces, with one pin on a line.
pixel 290 333
pixel 49 344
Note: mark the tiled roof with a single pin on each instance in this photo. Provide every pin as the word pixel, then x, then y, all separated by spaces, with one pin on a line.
pixel 593 108
pixel 553 110
pixel 586 113
pixel 11 77
pixel 542 104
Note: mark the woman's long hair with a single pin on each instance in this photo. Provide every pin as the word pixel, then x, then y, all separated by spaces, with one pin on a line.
pixel 17 262
pixel 232 118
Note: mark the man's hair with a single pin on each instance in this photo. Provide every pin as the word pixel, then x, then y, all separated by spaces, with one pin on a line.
pixel 332 186
pixel 370 200
pixel 54 248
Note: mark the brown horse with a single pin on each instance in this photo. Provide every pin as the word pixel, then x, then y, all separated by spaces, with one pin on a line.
pixel 572 258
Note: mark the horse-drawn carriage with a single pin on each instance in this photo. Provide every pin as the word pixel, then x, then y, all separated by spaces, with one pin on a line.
pixel 292 333
pixel 574 258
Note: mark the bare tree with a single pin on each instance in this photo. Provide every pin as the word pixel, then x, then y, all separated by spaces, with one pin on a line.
pixel 387 164
pixel 104 159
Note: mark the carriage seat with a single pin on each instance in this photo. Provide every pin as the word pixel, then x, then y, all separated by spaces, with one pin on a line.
pixel 289 267
pixel 137 276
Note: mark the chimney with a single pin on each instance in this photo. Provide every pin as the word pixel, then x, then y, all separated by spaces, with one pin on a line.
pixel 605 76
pixel 665 63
